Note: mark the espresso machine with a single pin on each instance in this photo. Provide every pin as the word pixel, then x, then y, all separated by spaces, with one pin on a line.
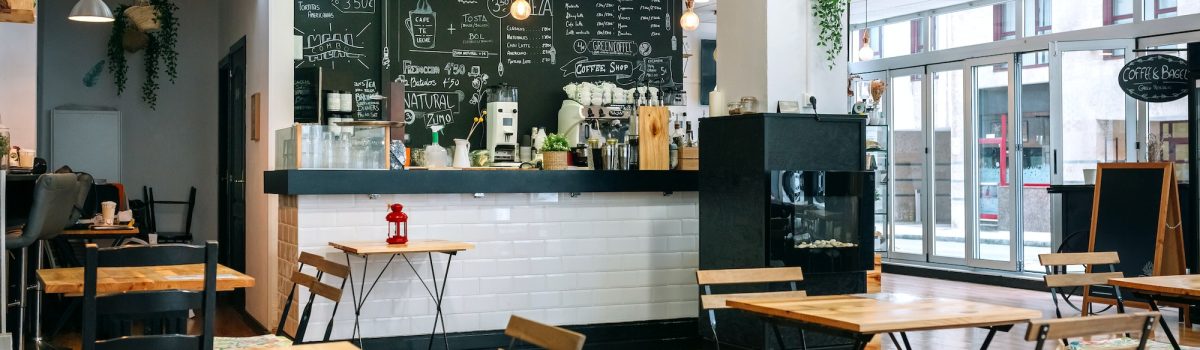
pixel 502 125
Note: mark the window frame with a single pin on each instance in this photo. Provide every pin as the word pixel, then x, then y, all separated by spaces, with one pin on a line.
pixel 1111 18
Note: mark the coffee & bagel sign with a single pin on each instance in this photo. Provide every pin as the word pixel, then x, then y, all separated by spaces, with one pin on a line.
pixel 1155 78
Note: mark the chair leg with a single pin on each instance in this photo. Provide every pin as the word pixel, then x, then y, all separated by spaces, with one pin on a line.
pixel 24 283
pixel 712 324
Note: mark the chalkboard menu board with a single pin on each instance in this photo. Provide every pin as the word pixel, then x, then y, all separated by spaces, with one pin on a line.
pixel 342 37
pixel 307 95
pixel 449 51
pixel 1127 217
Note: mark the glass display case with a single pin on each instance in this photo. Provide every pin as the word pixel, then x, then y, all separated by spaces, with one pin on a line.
pixel 820 219
pixel 360 145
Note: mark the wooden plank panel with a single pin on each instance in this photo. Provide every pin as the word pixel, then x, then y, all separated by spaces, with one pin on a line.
pixel 543 335
pixel 1093 325
pixel 1095 258
pixel 717 301
pixel 126 279
pixel 1080 279
pixel 885 313
pixel 317 287
pixel 653 138
pixel 413 246
pixel 742 276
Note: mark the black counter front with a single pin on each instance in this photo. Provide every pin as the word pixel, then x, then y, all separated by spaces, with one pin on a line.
pixel 334 182
pixel 1076 219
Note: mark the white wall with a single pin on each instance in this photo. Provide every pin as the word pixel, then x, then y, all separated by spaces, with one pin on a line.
pixel 18 93
pixel 767 49
pixel 267 26
pixel 171 148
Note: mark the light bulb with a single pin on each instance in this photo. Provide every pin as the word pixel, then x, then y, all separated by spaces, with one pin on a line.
pixel 689 21
pixel 520 9
pixel 866 53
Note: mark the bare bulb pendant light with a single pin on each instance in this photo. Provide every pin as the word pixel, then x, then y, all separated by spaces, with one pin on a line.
pixel 866 52
pixel 520 9
pixel 91 11
pixel 689 21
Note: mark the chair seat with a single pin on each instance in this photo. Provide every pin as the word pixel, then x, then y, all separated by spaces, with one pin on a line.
pixel 268 341
pixel 16 239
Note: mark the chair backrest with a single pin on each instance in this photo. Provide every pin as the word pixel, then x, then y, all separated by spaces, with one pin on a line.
pixel 189 208
pixel 85 183
pixel 542 335
pixel 149 302
pixel 53 200
pixel 709 278
pixel 1063 328
pixel 315 287
pixel 1057 278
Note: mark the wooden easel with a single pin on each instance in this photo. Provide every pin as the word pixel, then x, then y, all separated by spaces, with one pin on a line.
pixel 1169 249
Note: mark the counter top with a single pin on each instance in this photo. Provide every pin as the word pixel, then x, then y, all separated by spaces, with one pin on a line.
pixel 334 182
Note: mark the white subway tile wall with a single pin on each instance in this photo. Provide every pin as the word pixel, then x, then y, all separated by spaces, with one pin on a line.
pixel 558 258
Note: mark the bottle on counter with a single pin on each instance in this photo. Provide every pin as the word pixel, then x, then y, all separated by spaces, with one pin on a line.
pixel 691 138
pixel 674 156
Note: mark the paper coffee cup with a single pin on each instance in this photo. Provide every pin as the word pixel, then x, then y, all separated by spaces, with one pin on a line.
pixel 108 210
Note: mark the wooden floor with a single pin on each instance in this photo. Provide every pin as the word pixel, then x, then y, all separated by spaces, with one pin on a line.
pixel 973 338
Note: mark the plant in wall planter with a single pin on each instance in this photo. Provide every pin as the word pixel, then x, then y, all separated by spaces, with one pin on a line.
pixel 554 152
pixel 829 19
pixel 150 25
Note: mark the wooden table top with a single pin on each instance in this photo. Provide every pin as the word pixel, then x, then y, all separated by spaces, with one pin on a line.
pixel 1179 285
pixel 342 345
pixel 88 232
pixel 124 279
pixel 413 246
pixel 886 313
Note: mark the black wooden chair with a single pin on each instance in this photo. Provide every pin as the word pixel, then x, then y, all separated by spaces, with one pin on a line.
pixel 150 306
pixel 189 207
pixel 315 287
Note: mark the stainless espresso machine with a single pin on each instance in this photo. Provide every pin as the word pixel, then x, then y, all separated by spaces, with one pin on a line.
pixel 502 125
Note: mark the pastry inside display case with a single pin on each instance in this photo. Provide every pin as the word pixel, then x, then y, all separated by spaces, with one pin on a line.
pixel 821 220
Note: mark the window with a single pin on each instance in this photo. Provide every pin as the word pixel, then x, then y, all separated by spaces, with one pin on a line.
pixel 1118 11
pixel 1004 21
pixel 1156 9
pixel 1039 17
pixel 962 28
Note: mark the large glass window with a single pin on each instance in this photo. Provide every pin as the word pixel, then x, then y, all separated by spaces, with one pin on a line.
pixel 1056 16
pixel 963 28
pixel 991 115
pixel 908 157
pixel 1155 9
pixel 1036 159
pixel 1168 139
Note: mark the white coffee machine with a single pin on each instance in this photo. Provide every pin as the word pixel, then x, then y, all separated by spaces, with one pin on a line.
pixel 502 125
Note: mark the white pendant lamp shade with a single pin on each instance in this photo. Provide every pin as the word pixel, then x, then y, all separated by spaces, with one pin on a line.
pixel 91 11
pixel 689 21
pixel 520 9
pixel 866 53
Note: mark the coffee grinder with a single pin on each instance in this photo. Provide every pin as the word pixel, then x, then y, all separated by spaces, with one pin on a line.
pixel 502 125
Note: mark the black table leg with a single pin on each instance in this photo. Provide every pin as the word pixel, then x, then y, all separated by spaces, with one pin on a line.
pixel 1162 321
pixel 904 337
pixel 437 294
pixel 894 341
pixel 359 296
pixel 988 340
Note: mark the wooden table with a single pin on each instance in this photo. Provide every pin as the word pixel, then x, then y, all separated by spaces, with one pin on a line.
pixel 125 279
pixel 417 246
pixel 342 345
pixel 92 234
pixel 1181 289
pixel 861 316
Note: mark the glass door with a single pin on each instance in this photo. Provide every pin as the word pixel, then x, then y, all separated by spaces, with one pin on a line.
pixel 993 184
pixel 909 172
pixel 878 131
pixel 949 154
pixel 1092 120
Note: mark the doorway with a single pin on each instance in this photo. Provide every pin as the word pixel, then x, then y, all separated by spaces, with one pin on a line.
pixel 231 181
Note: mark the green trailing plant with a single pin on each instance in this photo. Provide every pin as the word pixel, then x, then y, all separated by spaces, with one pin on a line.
pixel 160 50
pixel 829 18
pixel 555 143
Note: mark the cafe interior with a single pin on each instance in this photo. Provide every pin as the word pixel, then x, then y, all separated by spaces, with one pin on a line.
pixel 483 174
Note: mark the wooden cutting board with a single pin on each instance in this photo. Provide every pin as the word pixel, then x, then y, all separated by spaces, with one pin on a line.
pixel 654 138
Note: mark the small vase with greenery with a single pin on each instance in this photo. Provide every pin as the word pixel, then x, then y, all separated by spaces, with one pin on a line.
pixel 554 152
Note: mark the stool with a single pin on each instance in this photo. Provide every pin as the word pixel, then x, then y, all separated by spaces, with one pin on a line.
pixel 54 196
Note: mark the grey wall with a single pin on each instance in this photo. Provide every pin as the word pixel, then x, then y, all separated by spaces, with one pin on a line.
pixel 171 148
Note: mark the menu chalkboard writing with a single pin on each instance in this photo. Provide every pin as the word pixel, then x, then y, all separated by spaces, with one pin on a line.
pixel 342 38
pixel 448 52
pixel 307 94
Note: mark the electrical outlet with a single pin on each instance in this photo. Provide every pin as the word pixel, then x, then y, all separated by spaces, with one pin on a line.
pixel 807 98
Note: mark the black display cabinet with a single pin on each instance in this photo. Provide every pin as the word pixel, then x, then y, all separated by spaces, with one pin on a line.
pixel 785 190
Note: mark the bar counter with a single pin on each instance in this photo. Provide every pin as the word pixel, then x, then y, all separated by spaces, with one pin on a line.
pixel 573 247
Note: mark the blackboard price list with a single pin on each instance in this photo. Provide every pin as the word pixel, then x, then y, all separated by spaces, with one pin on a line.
pixel 312 10
pixel 575 18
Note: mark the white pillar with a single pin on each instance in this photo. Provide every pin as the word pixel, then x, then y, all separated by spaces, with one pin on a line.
pixel 767 49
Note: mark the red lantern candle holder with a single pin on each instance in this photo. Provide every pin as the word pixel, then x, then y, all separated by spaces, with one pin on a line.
pixel 397 225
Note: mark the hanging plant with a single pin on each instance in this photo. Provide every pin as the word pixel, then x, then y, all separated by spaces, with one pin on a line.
pixel 157 21
pixel 829 18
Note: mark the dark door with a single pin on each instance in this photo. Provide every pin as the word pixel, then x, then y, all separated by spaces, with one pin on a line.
pixel 232 164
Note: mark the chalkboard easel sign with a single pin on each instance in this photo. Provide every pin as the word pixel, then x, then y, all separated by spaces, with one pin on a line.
pixel 1135 212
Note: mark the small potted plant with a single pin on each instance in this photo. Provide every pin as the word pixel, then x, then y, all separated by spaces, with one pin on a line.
pixel 554 152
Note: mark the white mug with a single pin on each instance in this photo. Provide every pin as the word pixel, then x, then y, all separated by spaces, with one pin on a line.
pixel 26 158
pixel 107 210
